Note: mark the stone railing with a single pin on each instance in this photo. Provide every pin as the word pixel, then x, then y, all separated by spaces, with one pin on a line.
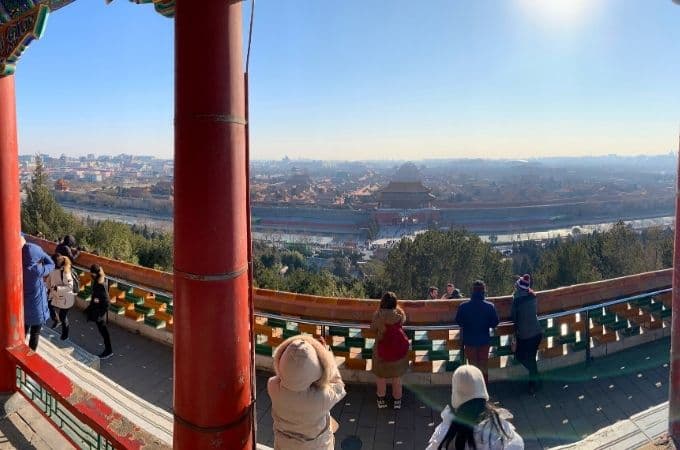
pixel 579 321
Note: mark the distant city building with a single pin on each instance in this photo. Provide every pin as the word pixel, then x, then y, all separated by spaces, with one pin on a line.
pixel 406 190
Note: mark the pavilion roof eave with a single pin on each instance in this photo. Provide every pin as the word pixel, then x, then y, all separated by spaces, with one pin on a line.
pixel 12 9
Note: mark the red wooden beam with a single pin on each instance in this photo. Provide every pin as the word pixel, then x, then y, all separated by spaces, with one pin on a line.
pixel 89 409
pixel 11 290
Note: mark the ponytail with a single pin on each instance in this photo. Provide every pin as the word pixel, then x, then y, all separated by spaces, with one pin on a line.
pixel 462 429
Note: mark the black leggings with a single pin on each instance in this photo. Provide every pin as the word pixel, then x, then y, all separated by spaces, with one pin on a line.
pixel 101 326
pixel 34 331
pixel 63 318
pixel 526 354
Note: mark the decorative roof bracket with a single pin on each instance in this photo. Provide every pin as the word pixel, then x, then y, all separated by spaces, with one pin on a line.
pixel 17 33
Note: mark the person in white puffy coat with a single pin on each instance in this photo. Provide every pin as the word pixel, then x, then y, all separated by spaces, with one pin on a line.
pixel 471 422
pixel 306 386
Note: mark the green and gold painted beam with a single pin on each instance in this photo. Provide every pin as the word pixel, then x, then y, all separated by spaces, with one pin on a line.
pixel 163 7
pixel 22 21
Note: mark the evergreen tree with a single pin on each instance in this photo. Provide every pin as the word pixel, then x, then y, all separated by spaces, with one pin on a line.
pixel 40 212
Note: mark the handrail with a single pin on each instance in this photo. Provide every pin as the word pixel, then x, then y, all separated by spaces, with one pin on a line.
pixel 438 327
pixel 453 326
pixel 421 313
pixel 83 405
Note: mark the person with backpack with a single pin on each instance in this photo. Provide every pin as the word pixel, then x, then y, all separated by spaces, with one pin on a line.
pixel 63 286
pixel 67 247
pixel 97 310
pixel 528 331
pixel 475 318
pixel 471 421
pixel 36 265
pixel 390 352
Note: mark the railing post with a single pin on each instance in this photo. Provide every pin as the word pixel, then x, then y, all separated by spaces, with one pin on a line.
pixel 586 320
pixel 213 401
pixel 11 290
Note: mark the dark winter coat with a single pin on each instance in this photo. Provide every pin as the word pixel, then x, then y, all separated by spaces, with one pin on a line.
pixel 475 317
pixel 96 311
pixel 524 315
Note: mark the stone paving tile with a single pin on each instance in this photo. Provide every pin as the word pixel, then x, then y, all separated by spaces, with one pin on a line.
pixel 581 399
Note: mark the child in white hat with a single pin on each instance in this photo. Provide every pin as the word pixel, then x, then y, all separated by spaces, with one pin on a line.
pixel 306 386
pixel 471 422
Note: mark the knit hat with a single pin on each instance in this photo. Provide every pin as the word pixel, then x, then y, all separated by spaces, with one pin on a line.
pixel 467 383
pixel 524 282
pixel 299 366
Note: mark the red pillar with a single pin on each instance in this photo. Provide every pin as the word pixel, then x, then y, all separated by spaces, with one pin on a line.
pixel 11 296
pixel 213 399
pixel 674 396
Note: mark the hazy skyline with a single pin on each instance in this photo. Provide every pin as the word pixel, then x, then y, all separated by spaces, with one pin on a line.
pixel 367 80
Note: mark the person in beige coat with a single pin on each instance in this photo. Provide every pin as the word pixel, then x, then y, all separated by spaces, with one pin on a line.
pixel 306 386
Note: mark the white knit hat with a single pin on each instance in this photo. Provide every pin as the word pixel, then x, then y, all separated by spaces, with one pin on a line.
pixel 467 383
pixel 299 366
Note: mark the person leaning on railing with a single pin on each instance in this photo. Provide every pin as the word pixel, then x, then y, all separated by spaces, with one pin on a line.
pixel 528 331
pixel 476 318
pixel 390 352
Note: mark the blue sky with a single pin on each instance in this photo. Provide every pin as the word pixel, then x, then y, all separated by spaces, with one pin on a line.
pixel 375 79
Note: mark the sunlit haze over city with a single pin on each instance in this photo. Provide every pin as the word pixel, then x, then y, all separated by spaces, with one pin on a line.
pixel 386 79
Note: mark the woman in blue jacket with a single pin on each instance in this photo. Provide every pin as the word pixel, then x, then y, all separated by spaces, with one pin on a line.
pixel 36 264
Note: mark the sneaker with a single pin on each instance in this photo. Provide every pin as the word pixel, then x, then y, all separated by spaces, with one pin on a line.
pixel 382 404
pixel 106 355
pixel 397 403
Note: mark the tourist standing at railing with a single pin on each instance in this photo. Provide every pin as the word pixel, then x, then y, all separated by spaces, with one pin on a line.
pixel 97 310
pixel 390 352
pixel 67 247
pixel 451 292
pixel 36 265
pixel 433 293
pixel 306 386
pixel 475 318
pixel 470 421
pixel 528 331
pixel 60 284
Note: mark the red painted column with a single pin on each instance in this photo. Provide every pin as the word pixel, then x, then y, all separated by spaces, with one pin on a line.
pixel 11 291
pixel 213 399
pixel 674 396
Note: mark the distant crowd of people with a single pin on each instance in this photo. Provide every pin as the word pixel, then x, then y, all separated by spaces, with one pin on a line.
pixel 307 383
pixel 51 288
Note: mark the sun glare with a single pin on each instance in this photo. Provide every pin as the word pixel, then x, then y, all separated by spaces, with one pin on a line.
pixel 566 12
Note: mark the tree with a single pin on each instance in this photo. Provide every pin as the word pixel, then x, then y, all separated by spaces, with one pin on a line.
pixel 565 264
pixel 113 240
pixel 40 212
pixel 293 259
pixel 436 257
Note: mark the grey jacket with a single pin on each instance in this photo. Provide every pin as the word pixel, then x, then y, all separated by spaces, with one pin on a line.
pixel 524 314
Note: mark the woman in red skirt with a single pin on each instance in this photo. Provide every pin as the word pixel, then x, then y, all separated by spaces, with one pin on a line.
pixel 390 352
